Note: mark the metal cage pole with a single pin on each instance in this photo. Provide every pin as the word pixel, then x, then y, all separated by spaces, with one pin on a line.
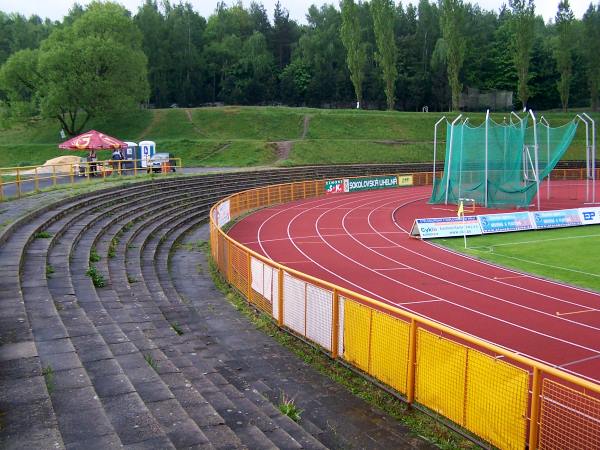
pixel 435 148
pixel 545 122
pixel 536 157
pixel 460 159
pixel 450 156
pixel 487 125
pixel 587 156
pixel 593 154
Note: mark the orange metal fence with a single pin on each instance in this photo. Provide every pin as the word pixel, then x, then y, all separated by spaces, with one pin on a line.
pixel 502 397
pixel 20 180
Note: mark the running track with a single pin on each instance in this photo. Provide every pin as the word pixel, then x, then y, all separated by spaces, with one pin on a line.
pixel 360 241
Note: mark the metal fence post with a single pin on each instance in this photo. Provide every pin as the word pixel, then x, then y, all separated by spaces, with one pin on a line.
pixel 335 325
pixel 280 298
pixel 536 389
pixel 53 175
pixel 249 293
pixel 36 181
pixel 412 362
pixel 18 182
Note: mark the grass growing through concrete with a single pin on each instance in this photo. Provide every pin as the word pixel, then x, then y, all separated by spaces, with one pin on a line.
pixel 419 423
pixel 288 407
pixel 48 374
pixel 42 235
pixel 97 278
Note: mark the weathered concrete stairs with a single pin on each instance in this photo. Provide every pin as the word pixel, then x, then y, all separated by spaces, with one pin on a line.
pixel 156 358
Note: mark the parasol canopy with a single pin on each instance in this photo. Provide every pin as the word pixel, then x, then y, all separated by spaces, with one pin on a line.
pixel 92 140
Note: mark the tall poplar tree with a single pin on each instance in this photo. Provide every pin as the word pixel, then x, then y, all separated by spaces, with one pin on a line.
pixel 356 56
pixel 383 25
pixel 523 34
pixel 452 24
pixel 563 50
pixel 591 23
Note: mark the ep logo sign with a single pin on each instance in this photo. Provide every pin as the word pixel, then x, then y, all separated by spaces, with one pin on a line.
pixel 589 215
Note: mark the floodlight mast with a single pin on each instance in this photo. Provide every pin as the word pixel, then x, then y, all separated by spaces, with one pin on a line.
pixel 450 156
pixel 435 147
pixel 593 154
pixel 535 153
pixel 545 122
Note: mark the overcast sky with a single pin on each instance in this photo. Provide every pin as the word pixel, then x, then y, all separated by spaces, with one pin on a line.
pixel 56 9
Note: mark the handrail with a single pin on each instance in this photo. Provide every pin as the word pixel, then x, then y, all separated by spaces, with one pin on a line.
pixel 103 169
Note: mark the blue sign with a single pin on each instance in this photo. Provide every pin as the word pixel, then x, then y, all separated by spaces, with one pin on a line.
pixel 556 219
pixel 500 223
pixel 446 227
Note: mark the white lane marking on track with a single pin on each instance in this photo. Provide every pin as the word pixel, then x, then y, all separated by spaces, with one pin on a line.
pixel 421 301
pixel 577 361
pixel 392 268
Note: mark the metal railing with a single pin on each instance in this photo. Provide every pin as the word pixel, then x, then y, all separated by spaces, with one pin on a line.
pixel 16 181
pixel 500 396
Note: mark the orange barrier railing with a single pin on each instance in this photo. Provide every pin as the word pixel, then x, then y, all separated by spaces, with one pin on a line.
pixel 16 181
pixel 501 397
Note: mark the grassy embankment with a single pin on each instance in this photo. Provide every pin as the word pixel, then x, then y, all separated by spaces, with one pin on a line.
pixel 248 136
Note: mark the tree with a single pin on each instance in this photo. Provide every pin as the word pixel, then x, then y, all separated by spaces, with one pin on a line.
pixel 523 34
pixel 591 44
pixel 383 25
pixel 563 50
pixel 356 56
pixel 452 24
pixel 19 80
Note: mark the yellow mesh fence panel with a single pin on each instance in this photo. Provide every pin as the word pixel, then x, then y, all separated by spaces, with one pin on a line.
pixel 263 194
pixel 238 274
pixel 286 193
pixel 496 407
pixel 441 375
pixel 310 189
pixel 222 255
pixel 297 191
pixel 357 334
pixel 274 192
pixel 389 350
pixel 569 419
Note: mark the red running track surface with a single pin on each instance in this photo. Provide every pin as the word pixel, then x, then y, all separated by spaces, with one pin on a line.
pixel 360 241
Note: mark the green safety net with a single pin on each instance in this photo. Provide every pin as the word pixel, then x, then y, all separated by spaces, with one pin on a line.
pixel 508 171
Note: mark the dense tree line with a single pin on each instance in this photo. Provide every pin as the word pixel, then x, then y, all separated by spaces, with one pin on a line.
pixel 380 53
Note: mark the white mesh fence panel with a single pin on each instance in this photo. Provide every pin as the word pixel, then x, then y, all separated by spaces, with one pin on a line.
pixel 294 295
pixel 319 315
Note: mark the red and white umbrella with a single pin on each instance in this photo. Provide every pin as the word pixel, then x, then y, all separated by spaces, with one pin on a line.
pixel 92 140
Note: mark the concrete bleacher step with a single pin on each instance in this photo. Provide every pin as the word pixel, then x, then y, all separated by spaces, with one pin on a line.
pixel 234 401
pixel 203 391
pixel 82 241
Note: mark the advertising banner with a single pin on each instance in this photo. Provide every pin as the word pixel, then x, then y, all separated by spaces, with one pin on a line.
pixel 334 186
pixel 589 216
pixel 369 183
pixel 405 180
pixel 500 223
pixel 557 218
pixel 446 227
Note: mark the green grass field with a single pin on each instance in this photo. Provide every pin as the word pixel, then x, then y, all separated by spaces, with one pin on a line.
pixel 569 255
pixel 247 136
